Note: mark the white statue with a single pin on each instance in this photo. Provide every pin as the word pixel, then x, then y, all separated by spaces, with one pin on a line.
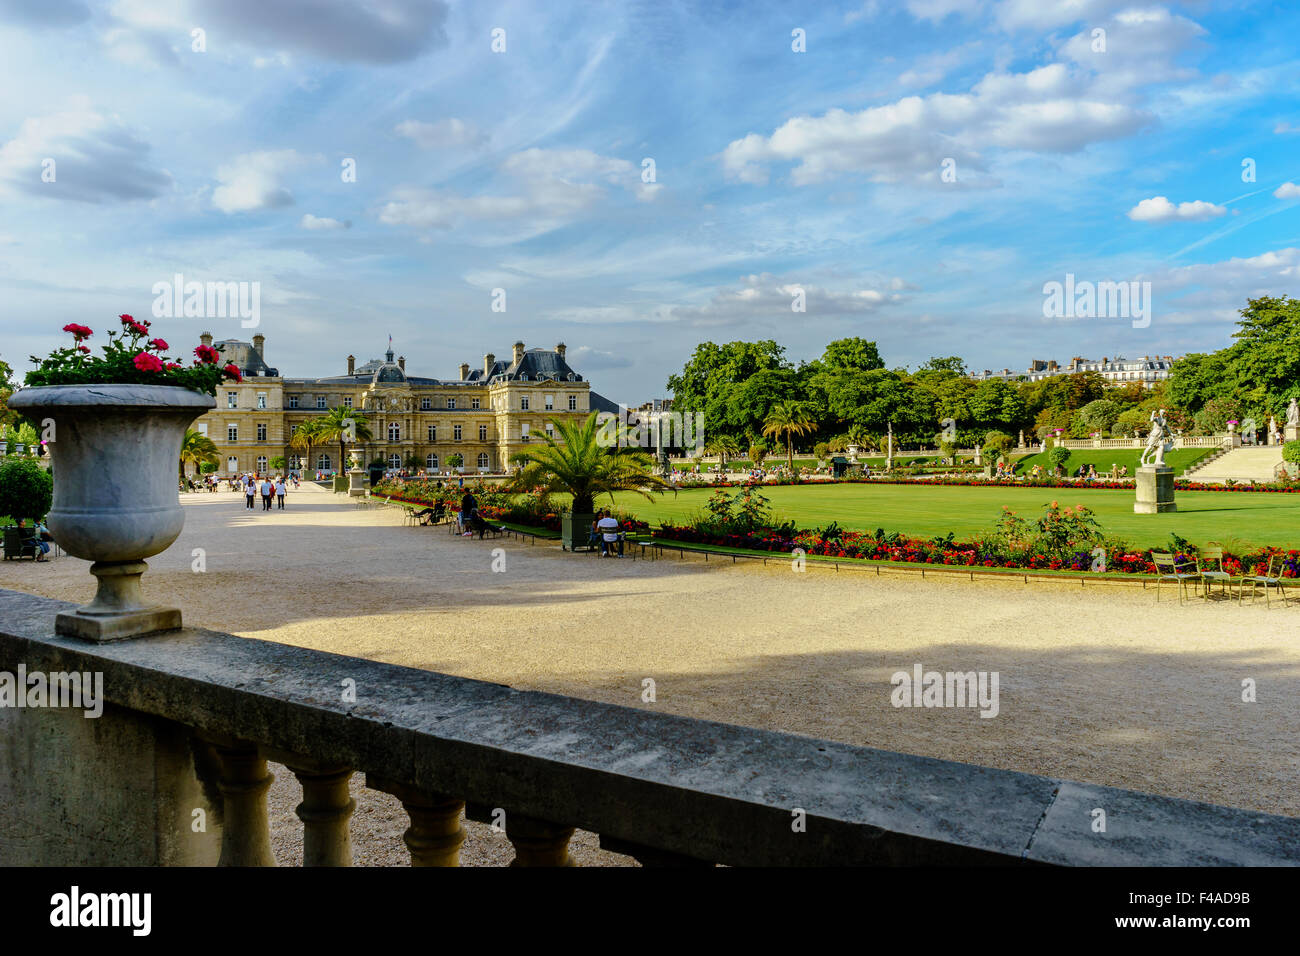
pixel 1158 441
pixel 1272 430
pixel 1293 413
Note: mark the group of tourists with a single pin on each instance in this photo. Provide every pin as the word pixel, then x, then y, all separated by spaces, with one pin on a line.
pixel 270 489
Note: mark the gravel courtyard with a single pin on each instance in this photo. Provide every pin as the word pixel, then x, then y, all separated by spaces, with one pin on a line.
pixel 1097 683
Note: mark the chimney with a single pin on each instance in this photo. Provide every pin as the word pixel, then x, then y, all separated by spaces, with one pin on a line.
pixel 259 342
pixel 519 352
pixel 464 371
pixel 488 361
pixel 560 349
pixel 352 365
pixel 401 362
pixel 206 338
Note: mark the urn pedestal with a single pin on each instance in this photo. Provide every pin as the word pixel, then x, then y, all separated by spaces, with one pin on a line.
pixel 1291 432
pixel 1155 490
pixel 114 451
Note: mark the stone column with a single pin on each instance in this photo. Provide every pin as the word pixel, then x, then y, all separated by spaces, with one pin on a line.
pixel 435 835
pixel 326 812
pixel 244 780
pixel 537 842
pixel 1155 490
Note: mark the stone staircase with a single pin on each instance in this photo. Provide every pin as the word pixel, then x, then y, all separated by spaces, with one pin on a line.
pixel 1252 463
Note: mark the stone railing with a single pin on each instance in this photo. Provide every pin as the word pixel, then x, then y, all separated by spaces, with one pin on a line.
pixel 193 716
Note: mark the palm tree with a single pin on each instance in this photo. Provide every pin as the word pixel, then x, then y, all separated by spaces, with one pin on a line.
pixel 342 425
pixel 790 419
pixel 724 446
pixel 303 438
pixel 860 436
pixel 576 461
pixel 196 449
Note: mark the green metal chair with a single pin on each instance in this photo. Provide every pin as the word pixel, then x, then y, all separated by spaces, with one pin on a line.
pixel 1266 580
pixel 1169 568
pixel 1211 566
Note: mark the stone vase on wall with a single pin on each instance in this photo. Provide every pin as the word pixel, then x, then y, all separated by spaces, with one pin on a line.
pixel 115 451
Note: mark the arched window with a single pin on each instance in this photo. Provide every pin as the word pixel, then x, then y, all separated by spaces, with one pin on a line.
pixel 394 431
pixel 323 463
pixel 261 464
pixel 431 463
pixel 395 462
pixel 483 460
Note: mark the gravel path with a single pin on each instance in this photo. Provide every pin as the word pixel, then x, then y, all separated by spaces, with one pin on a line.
pixel 1096 683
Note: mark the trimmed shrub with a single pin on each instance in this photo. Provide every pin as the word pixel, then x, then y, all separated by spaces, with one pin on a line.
pixel 26 489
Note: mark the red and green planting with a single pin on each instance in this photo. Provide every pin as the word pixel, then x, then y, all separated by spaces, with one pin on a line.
pixel 1016 528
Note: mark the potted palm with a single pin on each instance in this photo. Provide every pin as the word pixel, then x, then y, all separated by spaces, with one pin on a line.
pixel 576 461
pixel 115 426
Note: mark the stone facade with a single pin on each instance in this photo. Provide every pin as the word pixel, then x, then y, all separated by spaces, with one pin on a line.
pixel 486 415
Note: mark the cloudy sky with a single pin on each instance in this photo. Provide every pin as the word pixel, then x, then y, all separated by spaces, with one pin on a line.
pixel 918 170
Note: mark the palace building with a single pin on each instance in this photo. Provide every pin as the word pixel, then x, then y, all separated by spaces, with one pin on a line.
pixel 485 416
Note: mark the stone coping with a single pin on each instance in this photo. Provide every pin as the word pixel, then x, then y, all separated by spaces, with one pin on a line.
pixel 703 789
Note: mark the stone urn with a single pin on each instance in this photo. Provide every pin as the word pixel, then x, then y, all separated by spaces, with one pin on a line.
pixel 115 451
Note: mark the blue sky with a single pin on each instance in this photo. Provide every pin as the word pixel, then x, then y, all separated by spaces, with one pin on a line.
pixel 522 170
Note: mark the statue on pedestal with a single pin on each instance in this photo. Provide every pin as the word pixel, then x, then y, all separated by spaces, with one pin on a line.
pixel 1273 434
pixel 1293 413
pixel 1158 441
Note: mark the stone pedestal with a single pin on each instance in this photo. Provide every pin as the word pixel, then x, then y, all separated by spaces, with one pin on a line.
pixel 1291 432
pixel 1155 490
pixel 356 483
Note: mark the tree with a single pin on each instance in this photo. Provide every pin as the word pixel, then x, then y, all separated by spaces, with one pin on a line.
pixel 790 419
pixel 711 378
pixel 852 354
pixel 724 446
pixel 26 489
pixel 1131 423
pixel 342 425
pixel 1099 415
pixel 277 463
pixel 6 389
pixel 197 449
pixel 577 462
pixel 304 437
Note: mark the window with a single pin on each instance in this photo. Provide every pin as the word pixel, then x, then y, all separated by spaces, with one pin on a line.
pixel 293 430
pixel 550 402
pixel 232 433
pixel 232 399
pixel 523 431
pixel 395 462
pixel 431 463
pixel 573 403
pixel 261 399
pixel 483 460
pixel 323 463
pixel 394 431
pixel 347 401
pixel 261 464
pixel 426 404
pixel 203 428
pixel 482 433
pixel 550 430
pixel 433 433
pixel 523 403
pixel 232 465
pixel 320 401
pixel 451 403
pixel 455 433
pixel 293 401
pixel 473 403
pixel 261 431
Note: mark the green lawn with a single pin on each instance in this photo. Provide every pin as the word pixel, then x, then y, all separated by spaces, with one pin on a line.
pixel 1233 519
pixel 1179 459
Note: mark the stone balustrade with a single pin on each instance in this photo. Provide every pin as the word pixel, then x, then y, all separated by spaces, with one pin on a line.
pixel 193 716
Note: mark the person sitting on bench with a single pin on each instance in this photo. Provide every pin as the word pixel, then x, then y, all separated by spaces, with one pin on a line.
pixel 609 533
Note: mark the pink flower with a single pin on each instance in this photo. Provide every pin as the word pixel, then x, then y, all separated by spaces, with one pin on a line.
pixel 148 363
pixel 159 344
pixel 79 332
pixel 232 371
pixel 207 354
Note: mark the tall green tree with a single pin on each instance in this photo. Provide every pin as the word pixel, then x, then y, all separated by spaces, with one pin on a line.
pixel 789 419
pixel 342 425
pixel 197 449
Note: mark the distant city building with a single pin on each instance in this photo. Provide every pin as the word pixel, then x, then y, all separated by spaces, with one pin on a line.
pixel 1146 371
pixel 485 416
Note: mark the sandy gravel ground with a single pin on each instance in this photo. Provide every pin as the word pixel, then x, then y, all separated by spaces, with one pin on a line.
pixel 1097 683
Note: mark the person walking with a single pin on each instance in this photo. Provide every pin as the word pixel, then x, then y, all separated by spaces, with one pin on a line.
pixel 280 489
pixel 268 490
pixel 250 489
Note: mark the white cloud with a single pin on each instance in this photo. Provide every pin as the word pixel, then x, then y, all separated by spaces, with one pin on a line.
pixel 1160 209
pixel 252 181
pixel 1287 191
pixel 445 134
pixel 309 221
pixel 96 158
pixel 765 296
pixel 1283 128
pixel 1042 15
pixel 937 10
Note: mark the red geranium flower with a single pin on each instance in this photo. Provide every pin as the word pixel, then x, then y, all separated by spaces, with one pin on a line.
pixel 82 348
pixel 137 327
pixel 207 354
pixel 159 344
pixel 148 363
pixel 232 371
pixel 79 332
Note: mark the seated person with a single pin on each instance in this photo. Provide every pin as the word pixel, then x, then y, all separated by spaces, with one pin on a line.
pixel 593 538
pixel 32 535
pixel 427 515
pixel 609 535
pixel 478 523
